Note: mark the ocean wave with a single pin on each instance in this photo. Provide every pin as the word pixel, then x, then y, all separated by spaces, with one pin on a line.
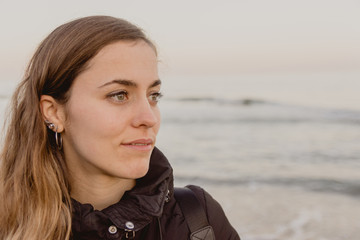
pixel 221 101
pixel 344 187
pixel 3 97
pixel 259 120
pixel 207 110
pixel 254 101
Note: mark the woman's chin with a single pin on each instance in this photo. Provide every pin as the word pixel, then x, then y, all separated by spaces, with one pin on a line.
pixel 142 173
pixel 138 172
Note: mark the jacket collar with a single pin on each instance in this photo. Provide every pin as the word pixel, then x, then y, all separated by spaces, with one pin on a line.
pixel 139 205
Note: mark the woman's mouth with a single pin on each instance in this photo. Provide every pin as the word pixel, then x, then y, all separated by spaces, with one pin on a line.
pixel 139 144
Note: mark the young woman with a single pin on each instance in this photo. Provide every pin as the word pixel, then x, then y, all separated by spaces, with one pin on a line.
pixel 79 158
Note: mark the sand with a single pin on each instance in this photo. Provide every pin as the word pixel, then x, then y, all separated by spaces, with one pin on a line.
pixel 274 213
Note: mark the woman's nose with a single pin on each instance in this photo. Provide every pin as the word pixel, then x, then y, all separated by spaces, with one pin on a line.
pixel 145 114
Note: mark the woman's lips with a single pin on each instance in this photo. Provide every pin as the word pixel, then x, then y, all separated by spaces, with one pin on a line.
pixel 140 144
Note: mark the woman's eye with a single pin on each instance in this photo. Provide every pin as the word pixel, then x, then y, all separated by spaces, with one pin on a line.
pixel 155 97
pixel 119 96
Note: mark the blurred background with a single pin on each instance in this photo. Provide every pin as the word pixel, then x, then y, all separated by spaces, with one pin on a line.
pixel 261 106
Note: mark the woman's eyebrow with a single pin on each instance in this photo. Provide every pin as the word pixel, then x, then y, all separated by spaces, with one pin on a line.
pixel 121 82
pixel 156 83
pixel 129 83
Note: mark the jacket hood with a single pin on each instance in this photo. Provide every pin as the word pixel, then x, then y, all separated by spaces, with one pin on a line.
pixel 139 205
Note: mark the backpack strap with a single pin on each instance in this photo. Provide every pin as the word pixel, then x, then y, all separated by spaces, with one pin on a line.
pixel 194 214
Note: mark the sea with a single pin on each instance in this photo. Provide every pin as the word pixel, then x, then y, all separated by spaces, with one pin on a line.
pixel 280 153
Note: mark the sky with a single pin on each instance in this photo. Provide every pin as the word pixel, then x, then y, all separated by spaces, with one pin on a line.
pixel 205 37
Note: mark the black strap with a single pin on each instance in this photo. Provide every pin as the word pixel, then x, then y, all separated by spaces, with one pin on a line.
pixel 194 214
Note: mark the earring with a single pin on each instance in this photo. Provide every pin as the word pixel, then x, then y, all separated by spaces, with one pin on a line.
pixel 50 125
pixel 58 139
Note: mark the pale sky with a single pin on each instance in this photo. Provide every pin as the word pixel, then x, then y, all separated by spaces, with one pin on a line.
pixel 205 37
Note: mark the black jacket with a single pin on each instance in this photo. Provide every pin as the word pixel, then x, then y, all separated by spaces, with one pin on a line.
pixel 148 211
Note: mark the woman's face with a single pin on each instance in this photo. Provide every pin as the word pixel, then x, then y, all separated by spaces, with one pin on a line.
pixel 112 116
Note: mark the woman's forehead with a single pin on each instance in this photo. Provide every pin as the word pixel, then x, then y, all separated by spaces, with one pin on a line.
pixel 123 60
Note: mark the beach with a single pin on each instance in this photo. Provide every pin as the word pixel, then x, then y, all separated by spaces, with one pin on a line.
pixel 281 167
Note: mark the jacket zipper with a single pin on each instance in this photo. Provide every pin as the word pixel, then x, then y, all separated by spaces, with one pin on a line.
pixel 129 234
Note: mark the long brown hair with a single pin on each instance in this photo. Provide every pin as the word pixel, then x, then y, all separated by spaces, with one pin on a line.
pixel 35 198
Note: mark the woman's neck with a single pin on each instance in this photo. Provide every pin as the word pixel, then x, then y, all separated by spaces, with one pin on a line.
pixel 100 192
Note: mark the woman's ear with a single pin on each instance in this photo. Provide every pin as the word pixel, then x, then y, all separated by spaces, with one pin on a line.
pixel 52 112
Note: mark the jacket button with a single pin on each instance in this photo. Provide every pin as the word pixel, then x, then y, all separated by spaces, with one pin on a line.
pixel 129 225
pixel 112 229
